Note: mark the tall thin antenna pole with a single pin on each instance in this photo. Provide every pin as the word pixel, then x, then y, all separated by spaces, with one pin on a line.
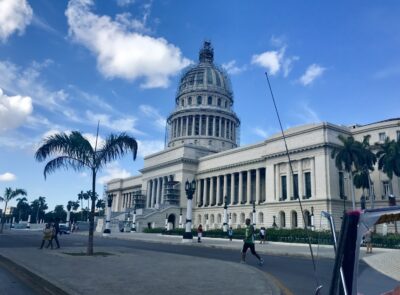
pixel 291 171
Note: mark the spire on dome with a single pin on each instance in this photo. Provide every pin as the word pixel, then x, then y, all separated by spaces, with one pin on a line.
pixel 206 53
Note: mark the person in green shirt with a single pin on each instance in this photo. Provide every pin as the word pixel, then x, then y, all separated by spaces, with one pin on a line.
pixel 249 243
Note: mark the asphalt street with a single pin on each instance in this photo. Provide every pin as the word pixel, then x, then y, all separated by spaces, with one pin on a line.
pixel 11 285
pixel 294 274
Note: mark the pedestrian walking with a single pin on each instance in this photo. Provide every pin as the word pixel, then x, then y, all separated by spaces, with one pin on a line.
pixel 262 235
pixel 57 232
pixel 47 236
pixel 199 233
pixel 249 243
pixel 368 240
pixel 230 233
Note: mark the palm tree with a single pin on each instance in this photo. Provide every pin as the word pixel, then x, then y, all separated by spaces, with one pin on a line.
pixel 348 155
pixel 389 160
pixel 41 206
pixel 9 194
pixel 21 206
pixel 75 151
pixel 101 204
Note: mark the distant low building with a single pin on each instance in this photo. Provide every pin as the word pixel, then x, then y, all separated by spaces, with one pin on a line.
pixel 203 144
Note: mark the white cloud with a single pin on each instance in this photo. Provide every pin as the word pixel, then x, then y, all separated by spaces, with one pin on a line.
pixel 126 124
pixel 260 132
pixel 14 110
pixel 154 114
pixel 313 72
pixel 120 50
pixel 232 68
pixel 148 147
pixel 112 171
pixel 7 177
pixel 307 115
pixel 15 15
pixel 270 60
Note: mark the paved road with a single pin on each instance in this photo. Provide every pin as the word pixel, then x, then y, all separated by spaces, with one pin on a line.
pixel 294 273
pixel 11 285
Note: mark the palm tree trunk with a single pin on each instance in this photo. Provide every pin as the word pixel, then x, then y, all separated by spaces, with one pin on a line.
pixel 37 215
pixel 3 220
pixel 91 218
pixel 353 198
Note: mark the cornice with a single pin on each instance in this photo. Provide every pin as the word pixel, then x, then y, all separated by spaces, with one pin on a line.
pixel 170 163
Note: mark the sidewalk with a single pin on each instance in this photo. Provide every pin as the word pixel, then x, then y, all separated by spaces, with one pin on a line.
pixel 386 261
pixel 139 272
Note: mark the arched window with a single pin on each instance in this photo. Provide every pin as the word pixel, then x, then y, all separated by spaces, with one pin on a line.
pixel 189 101
pixel 212 218
pixel 282 220
pixel 219 102
pixel 294 219
pixel 242 217
pixel 261 218
pixel 219 218
pixel 209 100
pixel 199 99
pixel 234 218
pixel 199 219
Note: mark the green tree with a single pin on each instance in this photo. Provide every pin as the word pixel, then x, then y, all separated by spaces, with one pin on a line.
pixel 389 157
pixel 9 194
pixel 75 151
pixel 100 205
pixel 22 208
pixel 38 206
pixel 80 198
pixel 59 212
pixel 347 157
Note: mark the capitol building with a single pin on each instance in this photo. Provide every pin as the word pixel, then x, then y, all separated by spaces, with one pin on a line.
pixel 203 144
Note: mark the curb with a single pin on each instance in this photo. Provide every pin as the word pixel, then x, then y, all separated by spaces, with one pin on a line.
pixel 36 283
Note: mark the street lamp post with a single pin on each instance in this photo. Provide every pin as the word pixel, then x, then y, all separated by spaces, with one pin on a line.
pixel 312 218
pixel 230 220
pixel 180 218
pixel 274 224
pixel 190 188
pixel 254 214
pixel 107 230
pixel 225 225
pixel 166 221
pixel 133 229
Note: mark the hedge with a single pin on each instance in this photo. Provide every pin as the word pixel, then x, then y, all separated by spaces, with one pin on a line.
pixel 286 235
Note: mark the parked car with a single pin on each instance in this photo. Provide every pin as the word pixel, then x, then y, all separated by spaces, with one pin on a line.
pixel 64 229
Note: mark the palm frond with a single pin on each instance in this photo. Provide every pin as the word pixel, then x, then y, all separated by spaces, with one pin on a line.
pixel 116 146
pixel 63 162
pixel 73 145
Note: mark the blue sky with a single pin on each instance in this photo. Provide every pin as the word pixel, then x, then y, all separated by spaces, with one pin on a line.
pixel 64 65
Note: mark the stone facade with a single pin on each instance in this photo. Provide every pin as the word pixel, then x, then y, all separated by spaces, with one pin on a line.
pixel 257 173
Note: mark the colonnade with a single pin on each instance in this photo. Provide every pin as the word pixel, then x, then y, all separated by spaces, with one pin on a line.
pixel 241 187
pixel 156 191
pixel 207 125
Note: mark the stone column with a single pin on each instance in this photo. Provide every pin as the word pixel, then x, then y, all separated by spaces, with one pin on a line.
pixel 225 187
pixel 258 197
pixel 211 191
pixel 200 124
pixel 198 193
pixel 164 180
pixel 153 192
pixel 219 199
pixel 193 124
pixel 240 187
pixel 289 182
pixel 148 194
pixel 232 188
pixel 205 192
pixel 220 127
pixel 213 125
pixel 300 178
pixel 248 192
pixel 225 129
pixel 207 124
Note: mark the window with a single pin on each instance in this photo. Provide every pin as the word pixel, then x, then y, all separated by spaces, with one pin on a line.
pixel 386 189
pixel 182 102
pixel 282 221
pixel 218 80
pixel 200 77
pixel 190 125
pixel 209 76
pixel 341 185
pixel 216 126
pixel 203 125
pixel 210 126
pixel 283 188
pixel 398 135
pixel 307 184
pixel 196 125
pixel 209 100
pixel 382 136
pixel 219 102
pixel 199 100
pixel 189 101
pixel 294 219
pixel 226 104
pixel 295 186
